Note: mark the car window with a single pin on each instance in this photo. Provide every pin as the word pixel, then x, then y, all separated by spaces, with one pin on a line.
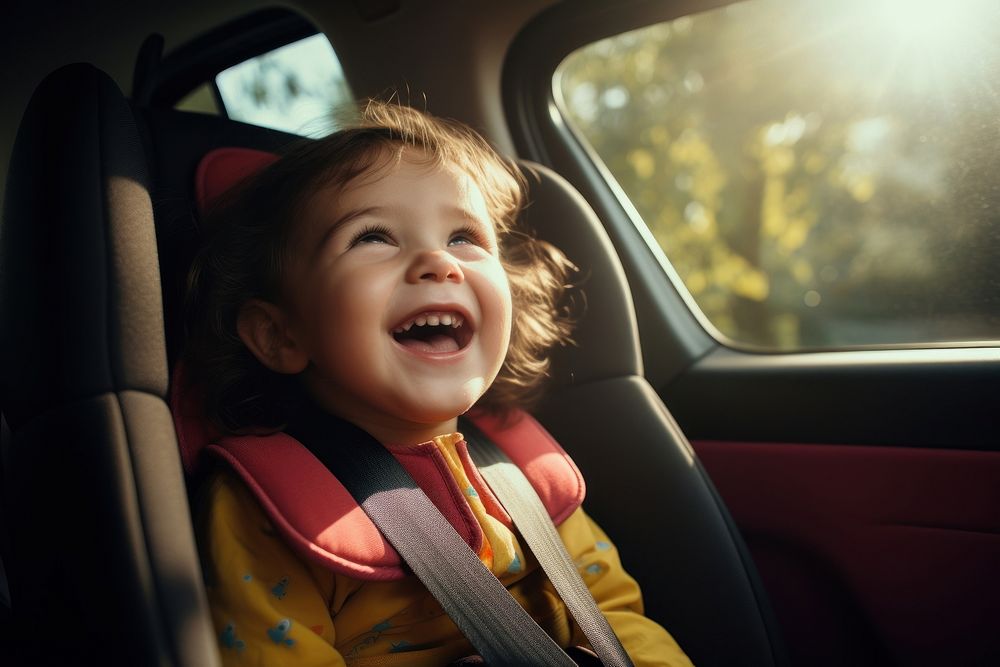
pixel 295 88
pixel 818 174
pixel 201 100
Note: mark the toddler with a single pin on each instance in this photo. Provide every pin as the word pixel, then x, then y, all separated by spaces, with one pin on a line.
pixel 378 275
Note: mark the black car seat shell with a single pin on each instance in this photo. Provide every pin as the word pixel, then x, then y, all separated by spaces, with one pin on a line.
pixel 103 567
pixel 90 297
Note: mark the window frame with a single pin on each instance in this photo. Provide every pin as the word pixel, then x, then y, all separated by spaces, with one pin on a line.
pixel 199 61
pixel 682 359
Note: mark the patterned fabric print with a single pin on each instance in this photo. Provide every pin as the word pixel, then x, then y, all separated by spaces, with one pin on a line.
pixel 280 589
pixel 279 633
pixel 370 640
pixel 506 556
pixel 268 607
pixel 594 568
pixel 230 640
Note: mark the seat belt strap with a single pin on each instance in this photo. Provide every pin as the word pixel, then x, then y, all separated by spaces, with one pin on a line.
pixel 483 609
pixel 529 515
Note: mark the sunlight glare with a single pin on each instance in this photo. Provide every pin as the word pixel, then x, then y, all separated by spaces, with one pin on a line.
pixel 928 21
pixel 933 30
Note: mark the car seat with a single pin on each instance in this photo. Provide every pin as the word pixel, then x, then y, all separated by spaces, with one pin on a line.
pixel 103 566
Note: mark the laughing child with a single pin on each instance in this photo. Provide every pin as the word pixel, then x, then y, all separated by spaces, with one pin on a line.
pixel 378 275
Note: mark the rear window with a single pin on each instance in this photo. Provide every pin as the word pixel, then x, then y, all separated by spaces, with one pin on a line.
pixel 818 174
pixel 295 88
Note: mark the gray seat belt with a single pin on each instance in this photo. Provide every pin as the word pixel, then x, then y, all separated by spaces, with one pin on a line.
pixel 494 623
pixel 525 508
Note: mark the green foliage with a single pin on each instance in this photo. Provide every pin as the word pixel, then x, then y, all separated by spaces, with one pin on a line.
pixel 816 172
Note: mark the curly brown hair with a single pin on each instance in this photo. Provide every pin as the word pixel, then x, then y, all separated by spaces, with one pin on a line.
pixel 247 245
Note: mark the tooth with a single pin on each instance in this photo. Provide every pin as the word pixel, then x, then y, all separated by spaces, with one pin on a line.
pixel 446 320
pixel 458 321
pixel 406 327
pixel 420 320
pixel 397 330
pixel 433 320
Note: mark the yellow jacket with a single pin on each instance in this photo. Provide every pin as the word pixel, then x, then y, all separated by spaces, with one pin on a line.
pixel 271 607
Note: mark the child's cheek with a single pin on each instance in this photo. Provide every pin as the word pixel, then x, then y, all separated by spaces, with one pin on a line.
pixel 505 303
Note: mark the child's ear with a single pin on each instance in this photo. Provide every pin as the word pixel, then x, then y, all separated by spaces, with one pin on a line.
pixel 263 328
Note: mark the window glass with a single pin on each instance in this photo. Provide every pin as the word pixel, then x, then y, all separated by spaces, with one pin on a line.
pixel 818 174
pixel 294 88
pixel 199 100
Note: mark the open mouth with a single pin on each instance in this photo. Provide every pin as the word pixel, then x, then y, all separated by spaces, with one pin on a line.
pixel 437 332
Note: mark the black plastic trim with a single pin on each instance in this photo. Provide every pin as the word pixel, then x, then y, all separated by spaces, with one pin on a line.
pixel 910 398
pixel 199 60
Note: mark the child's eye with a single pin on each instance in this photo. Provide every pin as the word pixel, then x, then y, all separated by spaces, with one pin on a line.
pixel 468 236
pixel 378 234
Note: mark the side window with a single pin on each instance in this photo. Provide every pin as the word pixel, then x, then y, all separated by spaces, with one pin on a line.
pixel 295 88
pixel 201 100
pixel 819 174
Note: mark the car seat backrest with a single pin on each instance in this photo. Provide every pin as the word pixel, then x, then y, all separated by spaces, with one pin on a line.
pixel 606 336
pixel 103 566
pixel 77 212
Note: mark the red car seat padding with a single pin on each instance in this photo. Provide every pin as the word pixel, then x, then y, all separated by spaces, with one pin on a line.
pixel 223 168
pixel 323 522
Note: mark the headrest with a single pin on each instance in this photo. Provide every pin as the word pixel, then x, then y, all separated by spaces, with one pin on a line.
pixel 557 213
pixel 223 168
pixel 606 337
pixel 218 171
pixel 79 285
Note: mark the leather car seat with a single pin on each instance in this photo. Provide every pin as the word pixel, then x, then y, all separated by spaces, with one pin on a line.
pixel 104 563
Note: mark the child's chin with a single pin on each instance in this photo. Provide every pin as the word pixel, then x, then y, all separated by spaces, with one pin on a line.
pixel 448 401
pixel 430 417
pixel 439 412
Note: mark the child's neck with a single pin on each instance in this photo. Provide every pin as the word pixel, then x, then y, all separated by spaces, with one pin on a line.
pixel 390 433
pixel 386 428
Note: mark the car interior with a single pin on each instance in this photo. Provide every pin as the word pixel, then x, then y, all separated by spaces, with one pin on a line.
pixel 811 507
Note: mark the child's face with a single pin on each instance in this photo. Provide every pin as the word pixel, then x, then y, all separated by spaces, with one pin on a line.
pixel 373 268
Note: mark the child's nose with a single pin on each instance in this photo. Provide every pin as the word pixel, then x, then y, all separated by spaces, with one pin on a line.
pixel 435 265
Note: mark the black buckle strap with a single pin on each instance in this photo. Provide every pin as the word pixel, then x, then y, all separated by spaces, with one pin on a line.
pixel 482 608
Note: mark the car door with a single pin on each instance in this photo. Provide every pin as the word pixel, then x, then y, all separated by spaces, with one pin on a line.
pixel 802 197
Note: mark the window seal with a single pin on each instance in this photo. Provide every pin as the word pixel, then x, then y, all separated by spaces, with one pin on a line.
pixel 201 59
